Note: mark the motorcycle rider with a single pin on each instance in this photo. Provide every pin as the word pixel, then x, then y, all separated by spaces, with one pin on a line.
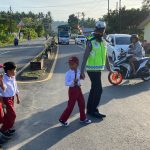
pixel 136 49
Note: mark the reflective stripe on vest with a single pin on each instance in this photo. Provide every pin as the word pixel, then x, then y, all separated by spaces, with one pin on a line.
pixel 97 59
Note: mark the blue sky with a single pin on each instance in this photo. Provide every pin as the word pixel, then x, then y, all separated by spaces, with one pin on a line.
pixel 61 9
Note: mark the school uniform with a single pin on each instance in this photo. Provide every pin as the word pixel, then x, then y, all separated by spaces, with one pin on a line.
pixel 75 94
pixel 1 110
pixel 8 100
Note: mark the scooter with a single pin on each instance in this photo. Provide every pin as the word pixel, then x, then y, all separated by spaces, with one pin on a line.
pixel 121 69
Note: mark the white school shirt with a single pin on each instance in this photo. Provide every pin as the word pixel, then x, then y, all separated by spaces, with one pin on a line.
pixel 70 76
pixel 11 86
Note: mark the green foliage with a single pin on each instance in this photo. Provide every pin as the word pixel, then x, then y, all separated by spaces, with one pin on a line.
pixel 73 23
pixel 127 21
pixel 39 30
pixel 88 23
pixel 29 31
pixel 34 25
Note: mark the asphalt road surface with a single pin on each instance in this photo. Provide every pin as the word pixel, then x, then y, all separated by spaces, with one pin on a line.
pixel 126 127
pixel 23 53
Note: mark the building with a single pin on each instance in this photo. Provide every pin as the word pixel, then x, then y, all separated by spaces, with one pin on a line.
pixel 87 31
pixel 145 26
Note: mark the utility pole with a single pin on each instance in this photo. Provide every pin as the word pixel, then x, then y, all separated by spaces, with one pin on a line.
pixel 108 8
pixel 10 21
pixel 117 6
pixel 120 15
pixel 78 15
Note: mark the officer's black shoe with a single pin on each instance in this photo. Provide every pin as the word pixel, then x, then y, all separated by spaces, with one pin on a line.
pixel 95 115
pixel 103 116
pixel 2 141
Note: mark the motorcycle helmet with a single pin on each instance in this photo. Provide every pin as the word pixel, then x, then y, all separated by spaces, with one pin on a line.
pixel 100 25
pixel 134 36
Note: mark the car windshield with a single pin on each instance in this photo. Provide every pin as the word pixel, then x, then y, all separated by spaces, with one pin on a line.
pixel 81 37
pixel 64 34
pixel 123 40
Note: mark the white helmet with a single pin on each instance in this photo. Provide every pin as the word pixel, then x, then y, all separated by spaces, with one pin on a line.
pixel 100 25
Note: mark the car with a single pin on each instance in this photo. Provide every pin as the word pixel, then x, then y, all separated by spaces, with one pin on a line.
pixel 116 42
pixel 80 39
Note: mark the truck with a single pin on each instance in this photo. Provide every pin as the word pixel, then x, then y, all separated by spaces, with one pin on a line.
pixel 63 34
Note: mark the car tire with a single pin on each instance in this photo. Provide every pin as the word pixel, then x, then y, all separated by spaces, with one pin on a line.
pixel 113 57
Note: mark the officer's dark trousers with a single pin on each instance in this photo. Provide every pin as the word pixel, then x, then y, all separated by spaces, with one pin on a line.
pixel 95 92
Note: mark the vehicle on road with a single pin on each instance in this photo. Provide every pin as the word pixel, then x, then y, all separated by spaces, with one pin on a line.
pixel 80 39
pixel 116 42
pixel 63 34
pixel 121 69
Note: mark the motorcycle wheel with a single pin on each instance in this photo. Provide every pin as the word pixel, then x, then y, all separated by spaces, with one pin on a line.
pixel 146 78
pixel 113 57
pixel 115 78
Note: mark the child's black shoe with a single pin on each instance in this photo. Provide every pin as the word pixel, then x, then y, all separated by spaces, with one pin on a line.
pixel 63 123
pixel 12 131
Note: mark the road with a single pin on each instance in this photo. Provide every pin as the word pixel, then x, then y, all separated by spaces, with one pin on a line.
pixel 23 53
pixel 126 127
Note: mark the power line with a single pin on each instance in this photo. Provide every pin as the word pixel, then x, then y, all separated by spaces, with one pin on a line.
pixel 63 5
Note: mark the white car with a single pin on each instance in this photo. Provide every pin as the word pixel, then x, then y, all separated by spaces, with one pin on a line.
pixel 116 42
pixel 80 39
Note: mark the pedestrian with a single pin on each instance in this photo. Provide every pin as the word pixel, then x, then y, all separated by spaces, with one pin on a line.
pixel 28 38
pixel 72 79
pixel 2 86
pixel 94 61
pixel 11 90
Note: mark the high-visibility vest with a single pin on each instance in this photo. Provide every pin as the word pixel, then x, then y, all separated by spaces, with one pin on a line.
pixel 97 58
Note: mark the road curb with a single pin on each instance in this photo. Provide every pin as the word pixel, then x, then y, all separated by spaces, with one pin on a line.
pixel 50 73
pixel 22 69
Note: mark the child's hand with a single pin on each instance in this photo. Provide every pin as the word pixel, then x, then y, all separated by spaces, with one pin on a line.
pixel 75 80
pixel 1 77
pixel 18 100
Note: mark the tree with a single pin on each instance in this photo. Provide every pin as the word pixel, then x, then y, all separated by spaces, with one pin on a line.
pixel 130 19
pixel 146 4
pixel 88 23
pixel 73 23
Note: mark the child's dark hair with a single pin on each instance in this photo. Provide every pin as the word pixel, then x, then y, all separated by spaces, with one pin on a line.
pixel 9 66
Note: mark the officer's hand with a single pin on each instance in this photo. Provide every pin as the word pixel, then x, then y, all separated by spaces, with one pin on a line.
pixel 82 76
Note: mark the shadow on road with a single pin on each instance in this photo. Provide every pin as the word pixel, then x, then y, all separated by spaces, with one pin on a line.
pixel 123 91
pixel 42 130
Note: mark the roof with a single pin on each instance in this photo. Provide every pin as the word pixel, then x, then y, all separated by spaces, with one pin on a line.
pixel 120 35
pixel 147 20
pixel 88 29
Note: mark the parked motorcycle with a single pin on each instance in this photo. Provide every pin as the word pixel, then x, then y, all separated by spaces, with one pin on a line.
pixel 121 69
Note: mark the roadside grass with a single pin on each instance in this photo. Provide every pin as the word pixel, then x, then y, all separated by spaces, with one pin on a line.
pixel 147 55
pixel 28 74
pixel 10 44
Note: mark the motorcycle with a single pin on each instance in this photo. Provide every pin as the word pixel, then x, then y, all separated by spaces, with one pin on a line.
pixel 121 69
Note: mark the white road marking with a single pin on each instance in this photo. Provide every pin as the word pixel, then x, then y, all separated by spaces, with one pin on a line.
pixel 4 52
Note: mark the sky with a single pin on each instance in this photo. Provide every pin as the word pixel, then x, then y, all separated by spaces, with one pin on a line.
pixel 61 9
